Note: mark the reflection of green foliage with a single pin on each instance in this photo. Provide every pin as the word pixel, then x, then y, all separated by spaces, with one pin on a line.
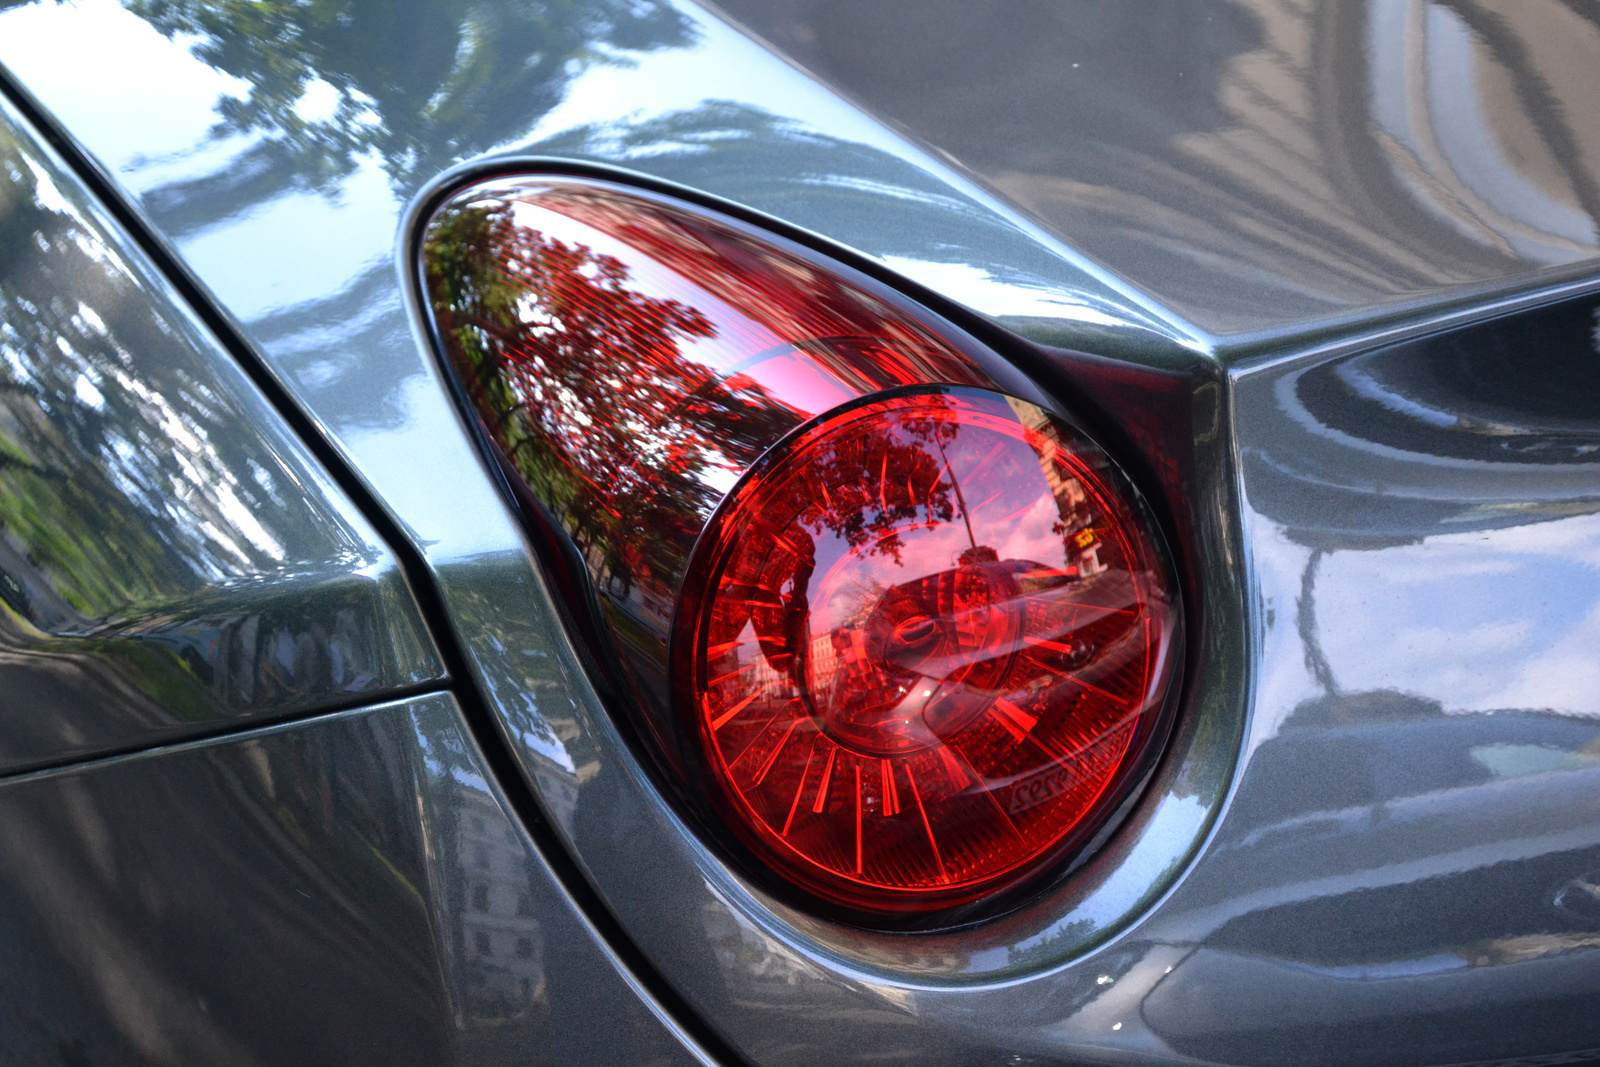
pixel 404 70
pixel 582 382
pixel 145 517
pixel 63 513
pixel 546 394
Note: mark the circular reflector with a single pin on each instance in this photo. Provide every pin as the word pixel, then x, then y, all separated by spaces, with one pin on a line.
pixel 923 646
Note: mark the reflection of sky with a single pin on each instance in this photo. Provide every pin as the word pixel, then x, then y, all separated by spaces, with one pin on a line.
pixel 330 240
pixel 653 84
pixel 420 465
pixel 141 74
pixel 1479 621
pixel 850 582
pixel 305 246
pixel 1505 618
pixel 302 246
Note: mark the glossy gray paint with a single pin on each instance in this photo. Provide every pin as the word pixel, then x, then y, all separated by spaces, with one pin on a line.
pixel 1376 883
pixel 347 890
pixel 1404 866
pixel 171 558
pixel 1255 165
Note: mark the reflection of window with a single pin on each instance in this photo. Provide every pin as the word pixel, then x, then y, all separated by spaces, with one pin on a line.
pixel 477 824
pixel 524 948
pixel 481 856
pixel 480 897
pixel 524 903
pixel 481 939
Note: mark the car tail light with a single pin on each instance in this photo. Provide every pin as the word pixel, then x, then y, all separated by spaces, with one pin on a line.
pixel 895 639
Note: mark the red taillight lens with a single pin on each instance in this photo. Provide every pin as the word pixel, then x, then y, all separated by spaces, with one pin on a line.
pixel 926 638
pixel 918 652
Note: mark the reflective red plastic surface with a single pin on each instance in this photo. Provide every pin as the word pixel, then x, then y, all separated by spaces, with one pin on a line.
pixel 938 703
pixel 930 638
pixel 629 358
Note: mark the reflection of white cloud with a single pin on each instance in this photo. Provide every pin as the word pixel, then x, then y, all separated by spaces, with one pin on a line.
pixel 305 244
pixel 426 466
pixel 1455 665
pixel 318 103
pixel 1479 621
pixel 1033 536
pixel 1171 831
pixel 1566 677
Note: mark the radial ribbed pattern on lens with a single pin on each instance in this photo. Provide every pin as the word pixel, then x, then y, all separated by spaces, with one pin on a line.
pixel 929 637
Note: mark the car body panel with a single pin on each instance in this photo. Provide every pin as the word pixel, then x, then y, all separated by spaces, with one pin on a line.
pixel 172 559
pixel 364 898
pixel 1261 166
pixel 1403 864
pixel 1414 836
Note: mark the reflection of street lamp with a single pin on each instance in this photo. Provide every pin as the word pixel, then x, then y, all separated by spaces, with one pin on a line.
pixel 955 483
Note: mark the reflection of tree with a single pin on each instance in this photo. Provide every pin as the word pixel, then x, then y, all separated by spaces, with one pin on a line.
pixel 401 72
pixel 584 385
pixel 864 484
pixel 158 540
pixel 103 459
pixel 879 478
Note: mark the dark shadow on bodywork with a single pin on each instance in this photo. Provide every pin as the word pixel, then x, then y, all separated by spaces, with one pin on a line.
pixel 343 891
pixel 1404 888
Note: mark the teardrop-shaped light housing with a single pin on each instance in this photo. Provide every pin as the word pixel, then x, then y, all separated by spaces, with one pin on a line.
pixel 898 642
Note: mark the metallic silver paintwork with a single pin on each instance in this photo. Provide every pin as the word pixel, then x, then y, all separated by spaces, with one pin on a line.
pixel 171 558
pixel 347 890
pixel 1255 165
pixel 1393 870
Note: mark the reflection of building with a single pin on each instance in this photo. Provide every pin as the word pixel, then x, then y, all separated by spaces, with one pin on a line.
pixel 1079 538
pixel 824 661
pixel 501 940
